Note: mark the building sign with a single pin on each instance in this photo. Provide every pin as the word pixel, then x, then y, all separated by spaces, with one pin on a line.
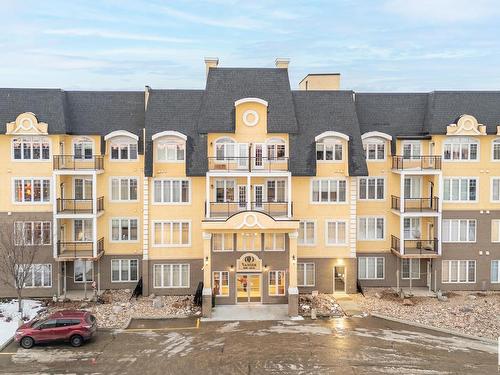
pixel 249 263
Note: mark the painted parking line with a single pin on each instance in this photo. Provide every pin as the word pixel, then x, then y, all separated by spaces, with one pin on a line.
pixel 131 330
pixel 2 353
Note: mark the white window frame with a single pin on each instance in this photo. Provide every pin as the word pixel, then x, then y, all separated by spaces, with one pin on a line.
pixel 414 144
pixel 497 261
pixel 120 219
pixel 220 273
pixel 495 181
pixel 460 182
pixel 272 145
pixel 334 143
pixel 449 223
pixel 223 242
pixel 225 187
pixel 276 285
pixel 33 269
pixel 228 152
pixel 274 241
pixel 84 141
pixel 84 181
pixel 336 235
pixel 304 240
pixel 84 221
pixel 461 141
pixel 127 263
pixel 374 142
pixel 495 142
pixel 416 262
pixel 170 265
pixel 277 181
pixel 330 182
pixel 449 263
pixel 170 141
pixel 31 139
pixel 84 275
pixel 120 142
pixel 120 179
pixel 367 218
pixel 171 181
pixel 375 260
pixel 43 181
pixel 181 222
pixel 495 222
pixel 376 181
pixel 305 274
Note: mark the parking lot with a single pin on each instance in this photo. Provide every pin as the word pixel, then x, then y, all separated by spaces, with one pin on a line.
pixel 343 346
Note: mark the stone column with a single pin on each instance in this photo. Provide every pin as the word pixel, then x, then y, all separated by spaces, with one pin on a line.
pixel 207 276
pixel 293 291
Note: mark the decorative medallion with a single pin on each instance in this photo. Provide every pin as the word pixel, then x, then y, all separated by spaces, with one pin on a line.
pixel 250 117
pixel 466 125
pixel 27 124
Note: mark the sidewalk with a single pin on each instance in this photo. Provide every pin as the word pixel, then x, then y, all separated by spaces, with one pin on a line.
pixel 348 304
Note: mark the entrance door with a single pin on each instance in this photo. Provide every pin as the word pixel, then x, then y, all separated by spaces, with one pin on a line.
pixel 339 279
pixel 258 155
pixel 258 196
pixel 242 196
pixel 248 288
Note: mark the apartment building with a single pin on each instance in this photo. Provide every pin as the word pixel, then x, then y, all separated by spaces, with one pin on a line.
pixel 256 190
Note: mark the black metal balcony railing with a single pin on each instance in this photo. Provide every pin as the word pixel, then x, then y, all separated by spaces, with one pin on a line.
pixel 248 164
pixel 415 247
pixel 226 209
pixel 415 204
pixel 79 249
pixel 71 162
pixel 78 206
pixel 421 162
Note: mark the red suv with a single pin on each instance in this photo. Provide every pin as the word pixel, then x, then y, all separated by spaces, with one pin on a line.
pixel 69 325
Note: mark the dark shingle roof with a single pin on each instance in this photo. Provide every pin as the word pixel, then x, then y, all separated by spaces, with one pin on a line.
pixel 320 111
pixel 177 110
pixel 226 85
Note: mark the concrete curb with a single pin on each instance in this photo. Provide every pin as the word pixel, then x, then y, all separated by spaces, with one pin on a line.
pixel 7 343
pixel 437 329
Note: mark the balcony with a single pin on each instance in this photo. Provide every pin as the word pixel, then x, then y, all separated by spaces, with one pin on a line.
pixel 415 204
pixel 79 206
pixel 415 248
pixel 247 164
pixel 73 163
pixel 416 163
pixel 79 249
pixel 226 209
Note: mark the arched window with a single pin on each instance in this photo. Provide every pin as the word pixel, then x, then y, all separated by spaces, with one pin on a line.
pixel 329 149
pixel 374 148
pixel 225 148
pixel 123 148
pixel 496 149
pixel 276 149
pixel 83 148
pixel 461 148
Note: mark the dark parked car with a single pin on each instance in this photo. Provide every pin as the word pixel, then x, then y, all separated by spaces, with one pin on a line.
pixel 69 325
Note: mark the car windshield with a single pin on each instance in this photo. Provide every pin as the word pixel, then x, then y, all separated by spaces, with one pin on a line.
pixel 37 323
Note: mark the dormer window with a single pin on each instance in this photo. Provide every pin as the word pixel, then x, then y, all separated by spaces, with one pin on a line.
pixel 170 146
pixel 374 149
pixel 276 149
pixel 83 148
pixel 461 148
pixel 123 148
pixel 329 149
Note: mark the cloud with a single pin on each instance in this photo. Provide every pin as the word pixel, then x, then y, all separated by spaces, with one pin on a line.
pixel 448 11
pixel 105 34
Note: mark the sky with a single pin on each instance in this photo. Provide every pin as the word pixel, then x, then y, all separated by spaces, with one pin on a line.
pixel 376 45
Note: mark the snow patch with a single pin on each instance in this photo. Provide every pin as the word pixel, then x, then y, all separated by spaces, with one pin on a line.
pixel 51 355
pixel 9 311
pixel 177 344
pixel 229 327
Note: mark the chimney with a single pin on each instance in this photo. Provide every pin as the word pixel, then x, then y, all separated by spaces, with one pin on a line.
pixel 282 63
pixel 147 90
pixel 211 62
pixel 325 81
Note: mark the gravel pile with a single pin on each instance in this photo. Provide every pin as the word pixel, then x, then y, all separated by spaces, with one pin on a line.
pixel 324 304
pixel 471 313
pixel 117 309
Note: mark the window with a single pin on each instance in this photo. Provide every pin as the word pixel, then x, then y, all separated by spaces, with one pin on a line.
pixel 225 149
pixel 84 270
pixel 371 188
pixel 223 242
pixel 40 276
pixel 170 150
pixel 307 233
pixel 83 148
pixel 31 148
pixel 32 233
pixel 274 241
pixel 411 149
pixel 172 233
pixel 328 191
pixel 276 149
pixel 171 276
pixel 249 242
pixel 336 232
pixel 83 188
pixel 224 191
pixel 276 283
pixel 32 190
pixel 171 191
pixel 82 230
pixel 374 149
pixel 415 268
pixel 123 229
pixel 123 189
pixel 276 191
pixel 412 228
pixel 461 148
pixel 331 150
pixel 371 268
pixel 460 189
pixel 495 271
pixel 495 230
pixel 123 148
pixel 496 149
pixel 459 271
pixel 495 189
pixel 221 283
pixel 124 270
pixel 305 274
pixel 459 230
pixel 370 228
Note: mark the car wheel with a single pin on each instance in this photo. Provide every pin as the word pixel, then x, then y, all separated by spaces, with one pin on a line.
pixel 76 340
pixel 27 342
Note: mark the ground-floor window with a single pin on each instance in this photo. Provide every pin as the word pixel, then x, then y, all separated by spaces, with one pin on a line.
pixel 459 271
pixel 305 274
pixel 171 275
pixel 83 271
pixel 40 276
pixel 371 268
pixel 495 271
pixel 221 283
pixel 123 270
pixel 415 268
pixel 276 283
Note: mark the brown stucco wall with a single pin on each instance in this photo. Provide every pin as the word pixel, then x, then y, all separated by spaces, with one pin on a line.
pixel 195 276
pixel 324 274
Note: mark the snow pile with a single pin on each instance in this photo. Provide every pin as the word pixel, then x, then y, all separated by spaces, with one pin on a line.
pixel 9 316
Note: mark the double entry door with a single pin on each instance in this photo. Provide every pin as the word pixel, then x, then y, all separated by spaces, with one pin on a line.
pixel 248 288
